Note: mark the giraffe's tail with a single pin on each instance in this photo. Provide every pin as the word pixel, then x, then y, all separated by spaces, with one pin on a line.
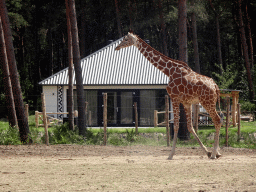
pixel 218 96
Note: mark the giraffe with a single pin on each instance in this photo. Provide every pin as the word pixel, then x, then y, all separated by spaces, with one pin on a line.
pixel 185 86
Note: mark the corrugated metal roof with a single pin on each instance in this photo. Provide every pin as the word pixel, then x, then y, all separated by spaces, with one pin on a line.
pixel 109 67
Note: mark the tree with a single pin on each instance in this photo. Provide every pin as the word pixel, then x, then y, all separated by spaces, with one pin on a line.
pixel 78 70
pixel 195 43
pixel 183 56
pixel 162 23
pixel 217 16
pixel 118 19
pixel 20 111
pixel 7 81
pixel 245 49
pixel 70 72
pixel 249 36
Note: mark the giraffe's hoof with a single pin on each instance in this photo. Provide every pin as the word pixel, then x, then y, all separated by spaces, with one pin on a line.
pixel 169 158
pixel 215 156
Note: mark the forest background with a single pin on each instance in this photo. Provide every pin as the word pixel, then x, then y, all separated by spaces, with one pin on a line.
pixel 40 37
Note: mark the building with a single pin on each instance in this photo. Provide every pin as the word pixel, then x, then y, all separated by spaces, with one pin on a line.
pixel 125 75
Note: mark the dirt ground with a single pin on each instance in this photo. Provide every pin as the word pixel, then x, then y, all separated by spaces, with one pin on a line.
pixel 130 168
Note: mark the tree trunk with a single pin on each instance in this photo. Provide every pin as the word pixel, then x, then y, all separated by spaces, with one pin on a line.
pixel 217 16
pixel 183 56
pixel 250 38
pixel 219 44
pixel 20 111
pixel 195 43
pixel 130 16
pixel 83 29
pixel 118 19
pixel 70 73
pixel 245 50
pixel 162 23
pixel 78 69
pixel 7 81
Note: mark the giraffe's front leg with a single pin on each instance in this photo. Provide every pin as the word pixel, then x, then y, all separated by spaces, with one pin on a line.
pixel 176 111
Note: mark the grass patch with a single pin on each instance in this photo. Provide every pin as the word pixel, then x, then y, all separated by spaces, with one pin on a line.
pixel 123 136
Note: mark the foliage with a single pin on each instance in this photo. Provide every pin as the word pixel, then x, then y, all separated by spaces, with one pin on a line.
pixel 40 35
pixel 62 135
pixel 147 136
pixel 247 106
pixel 94 138
pixel 10 136
pixel 227 77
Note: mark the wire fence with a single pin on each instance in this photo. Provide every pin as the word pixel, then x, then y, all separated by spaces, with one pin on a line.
pixel 121 109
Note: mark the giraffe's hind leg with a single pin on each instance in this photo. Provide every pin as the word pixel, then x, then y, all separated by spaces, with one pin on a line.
pixel 188 110
pixel 217 123
pixel 211 109
pixel 176 111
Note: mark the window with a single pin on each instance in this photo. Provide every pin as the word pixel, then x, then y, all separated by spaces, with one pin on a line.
pixel 91 96
pixel 151 100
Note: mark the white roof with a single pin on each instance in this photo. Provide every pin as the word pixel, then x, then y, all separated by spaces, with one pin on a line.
pixel 109 67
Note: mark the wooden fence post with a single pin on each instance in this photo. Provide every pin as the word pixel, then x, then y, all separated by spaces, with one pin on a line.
pixel 155 118
pixel 36 119
pixel 86 112
pixel 90 119
pixel 136 118
pixel 227 119
pixel 76 113
pixel 45 119
pixel 239 121
pixel 167 119
pixel 105 114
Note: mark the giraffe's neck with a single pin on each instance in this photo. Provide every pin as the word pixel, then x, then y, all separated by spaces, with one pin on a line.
pixel 159 60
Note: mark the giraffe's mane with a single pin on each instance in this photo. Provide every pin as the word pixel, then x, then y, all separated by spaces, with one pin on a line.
pixel 159 53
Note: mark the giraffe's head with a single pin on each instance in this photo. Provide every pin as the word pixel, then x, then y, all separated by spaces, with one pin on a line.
pixel 128 40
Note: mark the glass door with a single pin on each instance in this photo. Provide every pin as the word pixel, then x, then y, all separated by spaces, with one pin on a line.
pixel 112 108
pixel 126 116
pixel 120 111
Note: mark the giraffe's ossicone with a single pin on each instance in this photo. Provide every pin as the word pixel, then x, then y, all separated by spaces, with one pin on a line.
pixel 185 86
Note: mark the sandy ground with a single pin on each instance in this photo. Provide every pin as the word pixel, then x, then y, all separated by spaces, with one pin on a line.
pixel 131 168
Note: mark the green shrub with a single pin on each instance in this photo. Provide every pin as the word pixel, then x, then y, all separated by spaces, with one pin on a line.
pixel 94 139
pixel 247 106
pixel 115 139
pixel 61 134
pixel 131 135
pixel 10 136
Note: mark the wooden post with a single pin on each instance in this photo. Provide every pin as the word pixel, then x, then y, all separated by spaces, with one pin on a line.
pixel 90 118
pixel 227 119
pixel 36 119
pixel 105 114
pixel 196 117
pixel 45 119
pixel 239 122
pixel 76 113
pixel 235 96
pixel 86 112
pixel 155 118
pixel 167 119
pixel 136 118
